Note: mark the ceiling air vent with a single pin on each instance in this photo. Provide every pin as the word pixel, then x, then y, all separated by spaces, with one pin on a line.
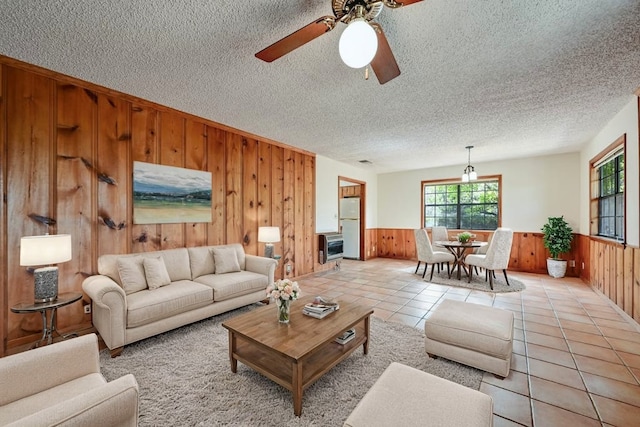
pixel 365 162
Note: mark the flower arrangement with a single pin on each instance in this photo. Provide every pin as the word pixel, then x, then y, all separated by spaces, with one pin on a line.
pixel 283 291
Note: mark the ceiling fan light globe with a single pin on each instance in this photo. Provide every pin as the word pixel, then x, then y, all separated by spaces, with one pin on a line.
pixel 358 44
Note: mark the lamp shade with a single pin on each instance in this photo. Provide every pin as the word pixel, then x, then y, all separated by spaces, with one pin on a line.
pixel 358 43
pixel 268 234
pixel 45 250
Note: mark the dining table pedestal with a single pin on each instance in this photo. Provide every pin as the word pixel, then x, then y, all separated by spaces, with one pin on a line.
pixel 459 249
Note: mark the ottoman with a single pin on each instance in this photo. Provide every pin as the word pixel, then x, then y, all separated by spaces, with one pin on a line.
pixel 405 396
pixel 471 334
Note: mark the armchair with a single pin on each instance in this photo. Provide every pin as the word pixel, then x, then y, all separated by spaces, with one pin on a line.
pixel 61 384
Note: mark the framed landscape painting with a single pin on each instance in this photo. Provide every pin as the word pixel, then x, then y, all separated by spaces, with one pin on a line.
pixel 170 195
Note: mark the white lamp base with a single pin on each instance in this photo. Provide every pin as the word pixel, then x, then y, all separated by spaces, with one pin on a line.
pixel 46 284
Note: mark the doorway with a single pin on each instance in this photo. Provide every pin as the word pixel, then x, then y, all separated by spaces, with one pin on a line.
pixel 351 216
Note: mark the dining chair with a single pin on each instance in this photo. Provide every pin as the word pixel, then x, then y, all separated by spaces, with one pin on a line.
pixel 497 256
pixel 426 254
pixel 439 233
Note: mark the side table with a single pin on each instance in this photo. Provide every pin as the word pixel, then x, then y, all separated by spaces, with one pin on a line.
pixel 43 307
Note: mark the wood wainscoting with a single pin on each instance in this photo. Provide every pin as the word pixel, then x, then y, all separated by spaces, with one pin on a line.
pixel 607 266
pixel 615 271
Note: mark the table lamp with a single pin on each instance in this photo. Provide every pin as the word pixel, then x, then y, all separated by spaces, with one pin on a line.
pixel 44 251
pixel 268 236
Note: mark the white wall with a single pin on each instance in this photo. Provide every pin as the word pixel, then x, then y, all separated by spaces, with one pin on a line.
pixel 626 121
pixel 327 172
pixel 533 189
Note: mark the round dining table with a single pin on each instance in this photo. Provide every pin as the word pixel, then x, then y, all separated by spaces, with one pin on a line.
pixel 459 249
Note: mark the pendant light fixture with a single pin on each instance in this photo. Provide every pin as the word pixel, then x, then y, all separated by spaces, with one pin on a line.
pixel 469 173
pixel 359 42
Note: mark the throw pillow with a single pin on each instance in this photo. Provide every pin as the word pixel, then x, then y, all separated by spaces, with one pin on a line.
pixel 131 273
pixel 226 260
pixel 156 272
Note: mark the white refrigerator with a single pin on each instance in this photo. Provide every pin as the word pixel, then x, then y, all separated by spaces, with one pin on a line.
pixel 350 223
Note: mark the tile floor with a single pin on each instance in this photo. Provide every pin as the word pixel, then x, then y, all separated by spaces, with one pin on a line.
pixel 576 357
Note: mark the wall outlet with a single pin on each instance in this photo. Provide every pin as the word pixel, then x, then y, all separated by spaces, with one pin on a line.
pixel 87 309
pixel 288 268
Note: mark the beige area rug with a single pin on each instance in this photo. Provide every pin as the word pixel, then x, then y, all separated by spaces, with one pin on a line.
pixel 478 281
pixel 185 378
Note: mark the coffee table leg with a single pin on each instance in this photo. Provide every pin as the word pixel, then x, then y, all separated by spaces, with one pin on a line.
pixel 366 334
pixel 297 388
pixel 232 348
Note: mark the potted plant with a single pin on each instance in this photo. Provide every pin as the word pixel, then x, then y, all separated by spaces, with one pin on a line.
pixel 464 237
pixel 557 237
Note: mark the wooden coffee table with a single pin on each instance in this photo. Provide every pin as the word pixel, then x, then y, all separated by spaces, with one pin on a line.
pixel 297 354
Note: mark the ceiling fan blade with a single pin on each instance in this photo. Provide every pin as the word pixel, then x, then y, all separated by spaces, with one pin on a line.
pixel 384 63
pixel 297 39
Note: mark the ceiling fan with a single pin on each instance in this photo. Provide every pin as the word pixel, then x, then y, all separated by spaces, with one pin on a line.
pixel 362 43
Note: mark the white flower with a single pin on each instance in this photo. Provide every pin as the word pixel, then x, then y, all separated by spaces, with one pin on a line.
pixel 283 290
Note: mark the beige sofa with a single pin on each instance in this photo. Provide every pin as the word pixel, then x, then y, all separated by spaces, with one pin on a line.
pixel 136 296
pixel 61 384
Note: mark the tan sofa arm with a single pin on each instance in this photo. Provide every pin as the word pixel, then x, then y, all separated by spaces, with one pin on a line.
pixel 261 265
pixel 109 309
pixel 68 360
pixel 114 404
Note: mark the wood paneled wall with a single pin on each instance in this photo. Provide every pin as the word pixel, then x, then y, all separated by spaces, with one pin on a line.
pixel 68 149
pixel 528 253
pixel 615 271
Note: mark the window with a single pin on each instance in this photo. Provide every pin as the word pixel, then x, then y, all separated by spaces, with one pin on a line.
pixel 607 193
pixel 464 206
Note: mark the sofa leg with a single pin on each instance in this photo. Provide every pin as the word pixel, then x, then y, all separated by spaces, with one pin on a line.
pixel 500 377
pixel 116 351
pixel 432 356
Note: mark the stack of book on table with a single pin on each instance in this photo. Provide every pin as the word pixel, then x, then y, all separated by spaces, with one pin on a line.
pixel 320 307
pixel 346 336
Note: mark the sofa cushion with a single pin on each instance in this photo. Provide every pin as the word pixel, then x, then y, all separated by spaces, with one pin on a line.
pixel 231 285
pixel 131 272
pixel 178 297
pixel 176 260
pixel 155 272
pixel 61 393
pixel 201 261
pixel 226 260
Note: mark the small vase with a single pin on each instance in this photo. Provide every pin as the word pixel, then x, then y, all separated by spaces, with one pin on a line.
pixel 284 311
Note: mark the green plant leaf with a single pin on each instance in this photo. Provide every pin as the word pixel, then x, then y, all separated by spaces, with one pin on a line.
pixel 557 236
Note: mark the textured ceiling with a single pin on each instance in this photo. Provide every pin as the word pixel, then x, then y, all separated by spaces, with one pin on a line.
pixel 514 78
